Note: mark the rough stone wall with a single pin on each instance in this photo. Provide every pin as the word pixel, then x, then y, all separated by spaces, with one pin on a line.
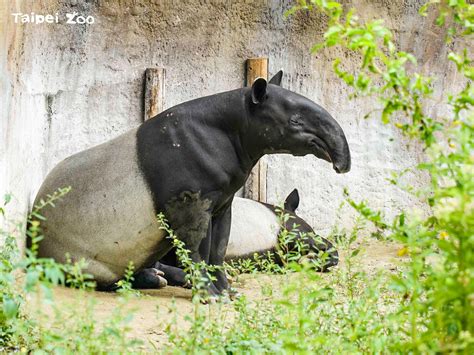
pixel 65 88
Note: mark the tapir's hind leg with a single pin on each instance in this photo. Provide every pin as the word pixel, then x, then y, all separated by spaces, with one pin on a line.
pixel 151 278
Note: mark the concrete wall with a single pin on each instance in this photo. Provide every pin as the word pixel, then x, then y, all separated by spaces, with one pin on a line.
pixel 68 87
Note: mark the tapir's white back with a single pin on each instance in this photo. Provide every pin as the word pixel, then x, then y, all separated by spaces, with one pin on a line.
pixel 254 228
pixel 108 217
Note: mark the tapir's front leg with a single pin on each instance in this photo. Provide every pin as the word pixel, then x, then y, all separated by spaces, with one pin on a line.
pixel 196 252
pixel 190 217
pixel 219 239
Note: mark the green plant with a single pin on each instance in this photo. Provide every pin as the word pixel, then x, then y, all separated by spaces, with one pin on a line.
pixel 50 328
pixel 198 274
pixel 125 285
pixel 345 311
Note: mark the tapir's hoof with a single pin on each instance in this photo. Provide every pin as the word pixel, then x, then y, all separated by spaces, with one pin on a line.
pixel 149 279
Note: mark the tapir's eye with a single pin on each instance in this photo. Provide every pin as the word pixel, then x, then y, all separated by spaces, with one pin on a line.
pixel 295 120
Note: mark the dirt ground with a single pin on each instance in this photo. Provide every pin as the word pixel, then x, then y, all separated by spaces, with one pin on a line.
pixel 152 309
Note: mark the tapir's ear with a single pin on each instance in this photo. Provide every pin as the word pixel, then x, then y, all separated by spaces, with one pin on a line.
pixel 259 90
pixel 276 80
pixel 292 201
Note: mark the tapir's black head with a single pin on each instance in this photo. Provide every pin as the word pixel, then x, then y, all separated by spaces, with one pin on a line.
pixel 291 123
pixel 318 246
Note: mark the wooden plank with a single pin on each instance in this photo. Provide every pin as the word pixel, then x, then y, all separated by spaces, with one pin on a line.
pixel 154 92
pixel 256 184
pixel 256 68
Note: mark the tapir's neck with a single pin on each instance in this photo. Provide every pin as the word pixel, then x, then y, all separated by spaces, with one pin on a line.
pixel 237 120
pixel 228 112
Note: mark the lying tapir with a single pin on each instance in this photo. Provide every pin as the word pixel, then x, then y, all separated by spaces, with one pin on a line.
pixel 255 229
pixel 186 162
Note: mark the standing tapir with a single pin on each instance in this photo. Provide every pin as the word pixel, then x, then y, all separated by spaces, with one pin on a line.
pixel 186 162
pixel 255 229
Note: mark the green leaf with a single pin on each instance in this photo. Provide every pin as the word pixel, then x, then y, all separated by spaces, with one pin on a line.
pixel 355 253
pixel 7 198
pixel 10 308
pixel 332 31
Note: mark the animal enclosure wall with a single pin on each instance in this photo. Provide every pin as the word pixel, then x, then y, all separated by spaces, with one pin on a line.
pixel 65 87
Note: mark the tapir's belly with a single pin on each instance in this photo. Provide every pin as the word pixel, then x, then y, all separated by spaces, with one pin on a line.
pixel 254 229
pixel 108 217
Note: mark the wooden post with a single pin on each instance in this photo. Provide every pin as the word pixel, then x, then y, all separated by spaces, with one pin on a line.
pixel 154 92
pixel 256 185
pixel 256 68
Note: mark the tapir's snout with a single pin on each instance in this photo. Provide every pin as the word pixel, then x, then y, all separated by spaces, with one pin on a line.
pixel 342 162
pixel 344 169
pixel 336 143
